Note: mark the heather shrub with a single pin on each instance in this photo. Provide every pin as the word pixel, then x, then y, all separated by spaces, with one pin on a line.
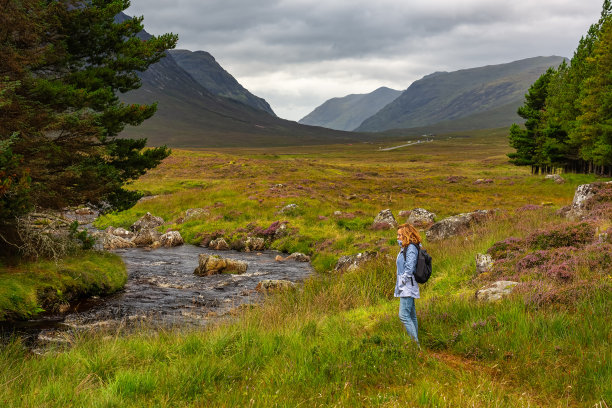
pixel 502 249
pixel 562 236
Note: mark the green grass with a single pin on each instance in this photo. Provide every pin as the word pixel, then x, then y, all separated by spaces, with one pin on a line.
pixel 28 289
pixel 336 340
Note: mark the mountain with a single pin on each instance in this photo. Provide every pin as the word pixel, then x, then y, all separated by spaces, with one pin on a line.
pixel 207 72
pixel 349 112
pixel 189 115
pixel 483 97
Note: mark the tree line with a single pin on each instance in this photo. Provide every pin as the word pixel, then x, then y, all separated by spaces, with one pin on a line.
pixel 568 110
pixel 62 65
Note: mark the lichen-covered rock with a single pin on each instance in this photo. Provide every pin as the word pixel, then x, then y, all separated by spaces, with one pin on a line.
pixel 495 291
pixel 289 209
pixel 455 225
pixel 421 218
pixel 350 263
pixel 213 264
pixel 111 242
pixel 281 231
pixel 298 257
pixel 556 178
pixel 120 232
pixel 385 217
pixel 584 193
pixel 171 239
pixel 146 237
pixel 269 285
pixel 147 221
pixel 254 244
pixel 404 213
pixel 219 244
pixel 484 262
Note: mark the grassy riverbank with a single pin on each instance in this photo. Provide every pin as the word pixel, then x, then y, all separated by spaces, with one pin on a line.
pixel 336 340
pixel 27 289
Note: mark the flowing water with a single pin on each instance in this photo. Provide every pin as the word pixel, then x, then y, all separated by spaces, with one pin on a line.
pixel 162 291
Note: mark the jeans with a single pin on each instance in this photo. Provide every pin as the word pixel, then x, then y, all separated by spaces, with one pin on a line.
pixel 407 314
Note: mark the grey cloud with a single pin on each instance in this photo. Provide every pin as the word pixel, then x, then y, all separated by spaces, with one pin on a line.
pixel 357 43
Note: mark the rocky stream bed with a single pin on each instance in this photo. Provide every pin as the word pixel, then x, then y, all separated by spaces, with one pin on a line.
pixel 163 292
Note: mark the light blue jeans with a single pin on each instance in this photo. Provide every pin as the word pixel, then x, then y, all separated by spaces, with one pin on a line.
pixel 407 314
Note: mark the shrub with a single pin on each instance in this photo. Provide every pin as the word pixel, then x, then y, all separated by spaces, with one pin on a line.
pixel 565 235
pixel 502 249
pixel 356 224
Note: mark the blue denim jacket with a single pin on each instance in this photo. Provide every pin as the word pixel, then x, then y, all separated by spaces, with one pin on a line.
pixel 405 285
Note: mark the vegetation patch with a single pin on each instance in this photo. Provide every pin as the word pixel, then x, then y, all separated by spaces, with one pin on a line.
pixel 29 289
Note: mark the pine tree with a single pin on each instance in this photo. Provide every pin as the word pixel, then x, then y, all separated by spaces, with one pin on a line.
pixel 60 99
pixel 594 125
pixel 528 141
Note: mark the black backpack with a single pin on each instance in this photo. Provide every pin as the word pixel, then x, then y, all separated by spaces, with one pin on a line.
pixel 423 266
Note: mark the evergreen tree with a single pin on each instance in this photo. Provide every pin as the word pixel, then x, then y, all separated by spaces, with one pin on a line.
pixel 528 141
pixel 594 125
pixel 571 129
pixel 60 114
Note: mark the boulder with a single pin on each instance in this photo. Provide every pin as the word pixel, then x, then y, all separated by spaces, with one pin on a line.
pixel 269 285
pixel 146 237
pixel 219 244
pixel 484 262
pixel 421 218
pixel 213 264
pixel 147 221
pixel 455 225
pixel 254 244
pixel 495 291
pixel 120 232
pixel 84 211
pixel 403 214
pixel 281 231
pixel 353 262
pixel 556 178
pixel 111 242
pixel 298 257
pixel 385 217
pixel 171 239
pixel 583 193
pixel 289 209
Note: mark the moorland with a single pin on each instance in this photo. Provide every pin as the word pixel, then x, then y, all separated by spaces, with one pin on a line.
pixel 335 340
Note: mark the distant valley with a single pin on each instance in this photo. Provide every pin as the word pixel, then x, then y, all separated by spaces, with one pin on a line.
pixel 348 112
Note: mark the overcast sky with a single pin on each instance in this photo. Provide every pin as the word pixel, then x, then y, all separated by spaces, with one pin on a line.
pixel 296 54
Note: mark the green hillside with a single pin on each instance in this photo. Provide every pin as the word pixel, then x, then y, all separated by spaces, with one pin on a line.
pixel 475 93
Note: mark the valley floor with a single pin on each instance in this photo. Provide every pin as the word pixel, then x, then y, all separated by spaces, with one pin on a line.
pixel 336 340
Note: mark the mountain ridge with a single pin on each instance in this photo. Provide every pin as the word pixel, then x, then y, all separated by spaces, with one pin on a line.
pixel 447 96
pixel 348 112
pixel 203 67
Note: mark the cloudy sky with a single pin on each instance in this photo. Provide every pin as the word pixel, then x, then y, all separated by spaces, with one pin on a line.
pixel 298 53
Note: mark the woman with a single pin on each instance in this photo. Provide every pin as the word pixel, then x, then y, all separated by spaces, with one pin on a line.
pixel 406 288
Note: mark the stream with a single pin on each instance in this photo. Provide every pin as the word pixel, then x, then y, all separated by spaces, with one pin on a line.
pixel 162 291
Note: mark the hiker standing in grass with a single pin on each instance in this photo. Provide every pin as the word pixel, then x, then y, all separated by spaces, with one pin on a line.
pixel 406 287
